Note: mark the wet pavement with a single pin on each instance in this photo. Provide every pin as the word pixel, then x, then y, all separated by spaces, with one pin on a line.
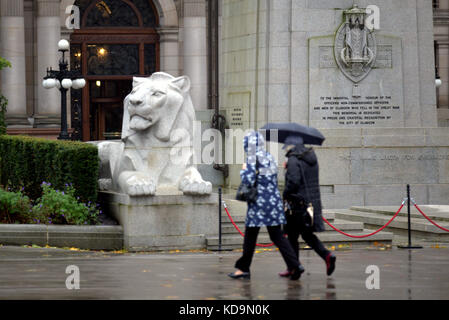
pixel 39 273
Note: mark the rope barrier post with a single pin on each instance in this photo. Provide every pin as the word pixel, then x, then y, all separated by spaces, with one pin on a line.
pixel 409 246
pixel 219 219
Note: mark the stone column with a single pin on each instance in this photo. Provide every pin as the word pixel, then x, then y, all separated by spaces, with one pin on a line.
pixel 169 50
pixel 195 50
pixel 13 80
pixel 48 108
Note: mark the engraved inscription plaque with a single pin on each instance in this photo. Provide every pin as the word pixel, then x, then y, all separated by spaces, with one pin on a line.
pixel 378 100
pixel 238 110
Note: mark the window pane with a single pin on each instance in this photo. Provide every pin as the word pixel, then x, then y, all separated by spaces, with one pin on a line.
pixel 150 58
pixel 75 57
pixel 112 13
pixel 112 59
pixel 147 13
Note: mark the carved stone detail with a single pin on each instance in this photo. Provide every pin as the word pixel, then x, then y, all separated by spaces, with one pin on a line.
pixel 355 46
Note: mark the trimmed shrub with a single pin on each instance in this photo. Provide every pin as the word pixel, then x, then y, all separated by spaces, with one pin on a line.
pixel 25 162
pixel 15 207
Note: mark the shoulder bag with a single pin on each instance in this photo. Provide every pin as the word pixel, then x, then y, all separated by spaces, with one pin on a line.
pixel 248 193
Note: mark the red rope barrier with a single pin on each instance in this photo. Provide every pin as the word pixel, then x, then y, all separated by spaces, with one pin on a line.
pixel 367 235
pixel 241 233
pixel 336 229
pixel 436 225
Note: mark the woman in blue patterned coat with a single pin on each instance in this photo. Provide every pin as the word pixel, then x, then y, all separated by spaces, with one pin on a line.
pixel 266 211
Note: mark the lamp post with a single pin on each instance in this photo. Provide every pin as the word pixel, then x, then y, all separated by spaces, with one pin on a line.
pixel 63 79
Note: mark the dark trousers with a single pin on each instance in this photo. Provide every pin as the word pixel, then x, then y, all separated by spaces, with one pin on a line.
pixel 249 245
pixel 295 228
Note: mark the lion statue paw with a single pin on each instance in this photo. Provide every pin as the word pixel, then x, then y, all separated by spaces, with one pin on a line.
pixel 136 184
pixel 193 184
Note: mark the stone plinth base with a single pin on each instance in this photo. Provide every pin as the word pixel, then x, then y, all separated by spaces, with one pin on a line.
pixel 164 222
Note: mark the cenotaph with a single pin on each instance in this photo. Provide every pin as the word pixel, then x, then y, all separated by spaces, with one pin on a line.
pixel 363 72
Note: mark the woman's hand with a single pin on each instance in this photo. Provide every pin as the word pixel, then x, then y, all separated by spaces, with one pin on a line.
pixel 244 166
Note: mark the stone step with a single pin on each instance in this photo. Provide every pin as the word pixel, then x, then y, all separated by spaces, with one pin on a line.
pixel 240 217
pixel 349 226
pixel 230 242
pixel 420 227
pixel 434 212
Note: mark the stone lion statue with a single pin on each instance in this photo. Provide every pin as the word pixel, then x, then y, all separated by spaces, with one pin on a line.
pixel 155 153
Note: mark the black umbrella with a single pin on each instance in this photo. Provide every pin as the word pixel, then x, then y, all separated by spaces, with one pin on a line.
pixel 308 134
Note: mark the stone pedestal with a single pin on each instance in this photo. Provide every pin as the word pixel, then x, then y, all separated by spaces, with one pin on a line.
pixel 163 222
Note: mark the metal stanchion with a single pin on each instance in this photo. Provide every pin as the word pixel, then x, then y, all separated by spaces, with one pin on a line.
pixel 409 246
pixel 219 218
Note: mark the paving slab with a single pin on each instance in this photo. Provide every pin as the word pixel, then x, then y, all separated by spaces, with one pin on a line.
pixel 39 273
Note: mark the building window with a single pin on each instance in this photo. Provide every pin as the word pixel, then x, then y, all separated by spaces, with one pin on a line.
pixel 436 4
pixel 112 14
pixel 112 59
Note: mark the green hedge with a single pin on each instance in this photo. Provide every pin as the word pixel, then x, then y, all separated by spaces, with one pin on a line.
pixel 26 162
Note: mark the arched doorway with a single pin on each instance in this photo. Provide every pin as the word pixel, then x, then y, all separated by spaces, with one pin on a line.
pixel 117 40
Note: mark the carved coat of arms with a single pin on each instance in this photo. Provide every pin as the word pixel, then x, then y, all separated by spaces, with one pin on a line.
pixel 355 45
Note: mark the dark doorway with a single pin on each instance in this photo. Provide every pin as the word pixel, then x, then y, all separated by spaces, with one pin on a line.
pixel 106 107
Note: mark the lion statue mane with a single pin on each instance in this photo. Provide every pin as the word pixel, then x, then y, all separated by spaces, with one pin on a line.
pixel 155 153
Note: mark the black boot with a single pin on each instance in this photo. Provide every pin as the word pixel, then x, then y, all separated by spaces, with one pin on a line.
pixel 297 272
pixel 330 263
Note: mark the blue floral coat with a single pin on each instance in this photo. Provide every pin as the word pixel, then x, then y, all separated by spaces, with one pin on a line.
pixel 268 209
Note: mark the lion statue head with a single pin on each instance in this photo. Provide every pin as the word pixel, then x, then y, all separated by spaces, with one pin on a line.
pixel 155 103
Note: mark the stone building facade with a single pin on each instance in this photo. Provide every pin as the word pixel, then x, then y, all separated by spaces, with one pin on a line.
pixel 30 31
pixel 441 38
pixel 275 61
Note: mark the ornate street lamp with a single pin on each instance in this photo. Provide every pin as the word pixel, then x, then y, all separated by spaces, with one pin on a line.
pixel 63 79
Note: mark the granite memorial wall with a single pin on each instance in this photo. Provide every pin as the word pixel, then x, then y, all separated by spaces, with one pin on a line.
pixel 363 72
